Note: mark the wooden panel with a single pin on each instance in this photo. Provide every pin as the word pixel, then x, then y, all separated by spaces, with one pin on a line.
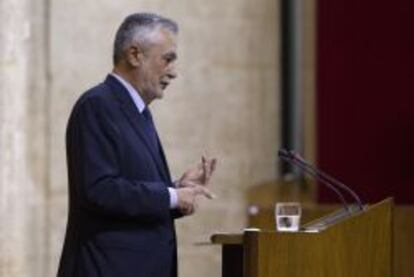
pixel 264 218
pixel 358 246
pixel 268 193
pixel 251 256
pixel 403 239
pixel 227 238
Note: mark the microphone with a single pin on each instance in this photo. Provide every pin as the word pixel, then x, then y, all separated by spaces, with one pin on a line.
pixel 286 157
pixel 296 160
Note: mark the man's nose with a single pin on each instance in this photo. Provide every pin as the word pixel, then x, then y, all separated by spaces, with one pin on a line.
pixel 172 72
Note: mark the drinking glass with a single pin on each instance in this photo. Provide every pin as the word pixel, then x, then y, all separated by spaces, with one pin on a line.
pixel 287 216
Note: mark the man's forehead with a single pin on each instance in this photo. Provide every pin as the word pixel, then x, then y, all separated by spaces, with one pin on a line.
pixel 162 35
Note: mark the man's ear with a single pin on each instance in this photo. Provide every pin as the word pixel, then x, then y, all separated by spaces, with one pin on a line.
pixel 134 55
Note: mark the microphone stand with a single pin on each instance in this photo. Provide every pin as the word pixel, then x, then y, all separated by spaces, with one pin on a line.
pixel 329 185
pixel 295 159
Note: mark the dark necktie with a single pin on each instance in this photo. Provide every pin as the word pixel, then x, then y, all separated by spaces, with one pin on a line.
pixel 150 129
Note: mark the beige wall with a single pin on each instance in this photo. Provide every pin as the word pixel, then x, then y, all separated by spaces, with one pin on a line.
pixel 22 139
pixel 13 75
pixel 224 103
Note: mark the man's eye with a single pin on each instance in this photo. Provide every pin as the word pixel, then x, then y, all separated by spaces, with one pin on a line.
pixel 169 58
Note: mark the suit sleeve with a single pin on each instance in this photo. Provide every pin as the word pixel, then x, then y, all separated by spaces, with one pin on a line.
pixel 95 174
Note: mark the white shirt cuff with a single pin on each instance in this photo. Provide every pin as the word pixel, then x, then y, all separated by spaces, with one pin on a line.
pixel 173 198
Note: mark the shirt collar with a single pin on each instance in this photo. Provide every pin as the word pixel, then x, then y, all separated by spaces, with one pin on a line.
pixel 136 98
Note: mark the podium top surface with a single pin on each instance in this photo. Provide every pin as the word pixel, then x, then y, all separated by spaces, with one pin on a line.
pixel 227 238
pixel 236 238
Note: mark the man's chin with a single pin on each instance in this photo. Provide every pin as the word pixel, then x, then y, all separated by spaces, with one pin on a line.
pixel 160 94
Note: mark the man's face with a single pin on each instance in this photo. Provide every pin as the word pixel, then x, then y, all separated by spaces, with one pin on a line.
pixel 157 65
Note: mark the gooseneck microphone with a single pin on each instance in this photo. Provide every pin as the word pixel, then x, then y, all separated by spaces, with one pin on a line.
pixel 286 156
pixel 296 160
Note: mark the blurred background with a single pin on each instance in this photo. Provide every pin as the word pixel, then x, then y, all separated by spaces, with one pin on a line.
pixel 331 79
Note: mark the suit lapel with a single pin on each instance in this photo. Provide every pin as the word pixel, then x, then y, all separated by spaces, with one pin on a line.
pixel 136 120
pixel 164 160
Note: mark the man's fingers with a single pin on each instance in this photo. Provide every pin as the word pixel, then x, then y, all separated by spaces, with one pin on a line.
pixel 213 164
pixel 200 166
pixel 209 165
pixel 201 174
pixel 188 183
pixel 193 173
pixel 188 210
pixel 205 192
pixel 206 171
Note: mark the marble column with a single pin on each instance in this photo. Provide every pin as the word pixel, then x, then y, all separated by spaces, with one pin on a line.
pixel 21 188
pixel 14 183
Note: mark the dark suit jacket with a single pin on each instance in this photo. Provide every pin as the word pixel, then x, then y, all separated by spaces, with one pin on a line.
pixel 119 224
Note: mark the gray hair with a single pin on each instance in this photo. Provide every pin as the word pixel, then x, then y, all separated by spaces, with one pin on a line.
pixel 137 27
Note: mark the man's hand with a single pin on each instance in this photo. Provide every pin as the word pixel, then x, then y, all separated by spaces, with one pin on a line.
pixel 199 175
pixel 193 183
pixel 187 197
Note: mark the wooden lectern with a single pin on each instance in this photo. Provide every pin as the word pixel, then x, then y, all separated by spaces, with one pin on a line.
pixel 358 245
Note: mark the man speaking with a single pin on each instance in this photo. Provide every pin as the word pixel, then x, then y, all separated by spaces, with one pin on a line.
pixel 122 201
